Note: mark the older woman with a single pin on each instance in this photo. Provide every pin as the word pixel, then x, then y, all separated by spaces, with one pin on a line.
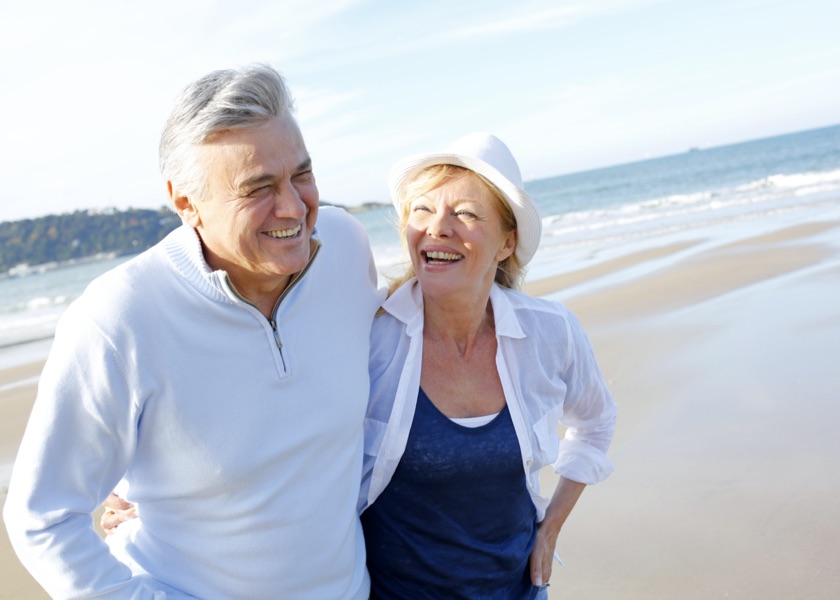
pixel 469 380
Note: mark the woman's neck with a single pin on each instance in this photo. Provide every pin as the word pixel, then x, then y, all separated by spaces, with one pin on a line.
pixel 459 323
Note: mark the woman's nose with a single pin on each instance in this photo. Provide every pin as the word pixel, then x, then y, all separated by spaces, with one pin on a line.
pixel 439 225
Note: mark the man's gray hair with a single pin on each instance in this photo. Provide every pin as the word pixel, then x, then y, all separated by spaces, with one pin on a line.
pixel 220 101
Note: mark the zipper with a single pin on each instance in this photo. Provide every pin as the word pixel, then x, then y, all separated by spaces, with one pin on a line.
pixel 297 277
pixel 273 320
pixel 276 333
pixel 279 343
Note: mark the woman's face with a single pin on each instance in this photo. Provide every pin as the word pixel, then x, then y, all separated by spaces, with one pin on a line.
pixel 455 238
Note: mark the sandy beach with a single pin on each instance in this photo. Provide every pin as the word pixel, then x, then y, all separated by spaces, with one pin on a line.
pixel 720 347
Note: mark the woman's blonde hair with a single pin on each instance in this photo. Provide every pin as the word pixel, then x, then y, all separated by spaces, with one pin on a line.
pixel 509 273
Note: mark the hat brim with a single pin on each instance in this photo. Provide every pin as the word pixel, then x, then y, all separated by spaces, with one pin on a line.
pixel 528 221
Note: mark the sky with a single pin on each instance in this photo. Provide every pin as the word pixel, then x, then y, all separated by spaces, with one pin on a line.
pixel 569 85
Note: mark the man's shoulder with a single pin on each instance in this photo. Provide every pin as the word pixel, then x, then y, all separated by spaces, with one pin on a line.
pixel 133 281
pixel 335 222
pixel 342 237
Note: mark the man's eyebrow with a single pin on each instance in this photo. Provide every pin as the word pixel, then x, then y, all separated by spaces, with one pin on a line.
pixel 305 165
pixel 259 180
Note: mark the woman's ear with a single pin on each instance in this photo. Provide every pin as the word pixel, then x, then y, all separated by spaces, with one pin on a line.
pixel 508 247
pixel 184 206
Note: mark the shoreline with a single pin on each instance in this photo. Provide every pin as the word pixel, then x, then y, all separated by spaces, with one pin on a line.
pixel 719 351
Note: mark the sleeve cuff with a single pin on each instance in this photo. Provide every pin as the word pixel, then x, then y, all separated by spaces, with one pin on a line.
pixel 581 462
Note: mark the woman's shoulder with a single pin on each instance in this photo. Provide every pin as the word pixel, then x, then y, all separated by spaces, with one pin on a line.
pixel 523 303
pixel 386 330
pixel 544 319
pixel 388 344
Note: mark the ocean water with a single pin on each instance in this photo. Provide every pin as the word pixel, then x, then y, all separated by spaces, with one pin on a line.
pixel 582 212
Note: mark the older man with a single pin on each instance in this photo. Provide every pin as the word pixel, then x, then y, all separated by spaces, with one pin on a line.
pixel 221 375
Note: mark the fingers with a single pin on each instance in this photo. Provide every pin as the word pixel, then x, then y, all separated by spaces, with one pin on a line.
pixel 546 569
pixel 540 564
pixel 536 565
pixel 108 522
pixel 114 502
pixel 111 519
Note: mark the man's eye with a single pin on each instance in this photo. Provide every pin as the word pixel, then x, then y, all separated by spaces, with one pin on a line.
pixel 261 191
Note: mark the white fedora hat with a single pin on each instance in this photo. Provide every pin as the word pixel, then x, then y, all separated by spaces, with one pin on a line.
pixel 488 156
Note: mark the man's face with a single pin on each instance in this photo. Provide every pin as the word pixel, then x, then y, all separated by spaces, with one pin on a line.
pixel 256 216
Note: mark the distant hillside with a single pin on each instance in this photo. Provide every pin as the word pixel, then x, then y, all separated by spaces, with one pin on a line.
pixel 359 207
pixel 82 234
pixel 56 239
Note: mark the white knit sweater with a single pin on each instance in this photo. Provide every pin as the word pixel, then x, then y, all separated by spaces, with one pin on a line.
pixel 243 457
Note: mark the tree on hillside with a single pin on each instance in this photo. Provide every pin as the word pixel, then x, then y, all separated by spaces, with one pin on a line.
pixel 82 234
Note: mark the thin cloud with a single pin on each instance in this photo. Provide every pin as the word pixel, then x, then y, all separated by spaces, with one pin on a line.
pixel 315 104
pixel 523 20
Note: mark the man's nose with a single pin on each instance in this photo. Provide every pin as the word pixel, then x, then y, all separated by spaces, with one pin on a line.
pixel 287 202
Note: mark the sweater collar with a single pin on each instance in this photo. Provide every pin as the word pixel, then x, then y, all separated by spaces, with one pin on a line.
pixel 183 246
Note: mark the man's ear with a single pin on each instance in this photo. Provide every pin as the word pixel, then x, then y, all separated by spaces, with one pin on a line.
pixel 183 206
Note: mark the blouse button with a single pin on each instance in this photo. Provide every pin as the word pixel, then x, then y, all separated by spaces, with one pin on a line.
pixel 530 462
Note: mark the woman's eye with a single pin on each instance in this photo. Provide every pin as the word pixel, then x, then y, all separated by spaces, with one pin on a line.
pixel 465 214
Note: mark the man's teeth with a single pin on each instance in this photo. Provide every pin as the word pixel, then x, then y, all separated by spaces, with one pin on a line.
pixel 439 257
pixel 284 233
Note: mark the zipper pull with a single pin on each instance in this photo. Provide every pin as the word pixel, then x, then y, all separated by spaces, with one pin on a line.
pixel 276 334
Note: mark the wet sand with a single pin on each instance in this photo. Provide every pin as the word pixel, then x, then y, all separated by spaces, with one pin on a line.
pixel 724 366
pixel 721 354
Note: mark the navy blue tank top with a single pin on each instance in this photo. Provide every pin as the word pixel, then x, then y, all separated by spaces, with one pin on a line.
pixel 456 520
